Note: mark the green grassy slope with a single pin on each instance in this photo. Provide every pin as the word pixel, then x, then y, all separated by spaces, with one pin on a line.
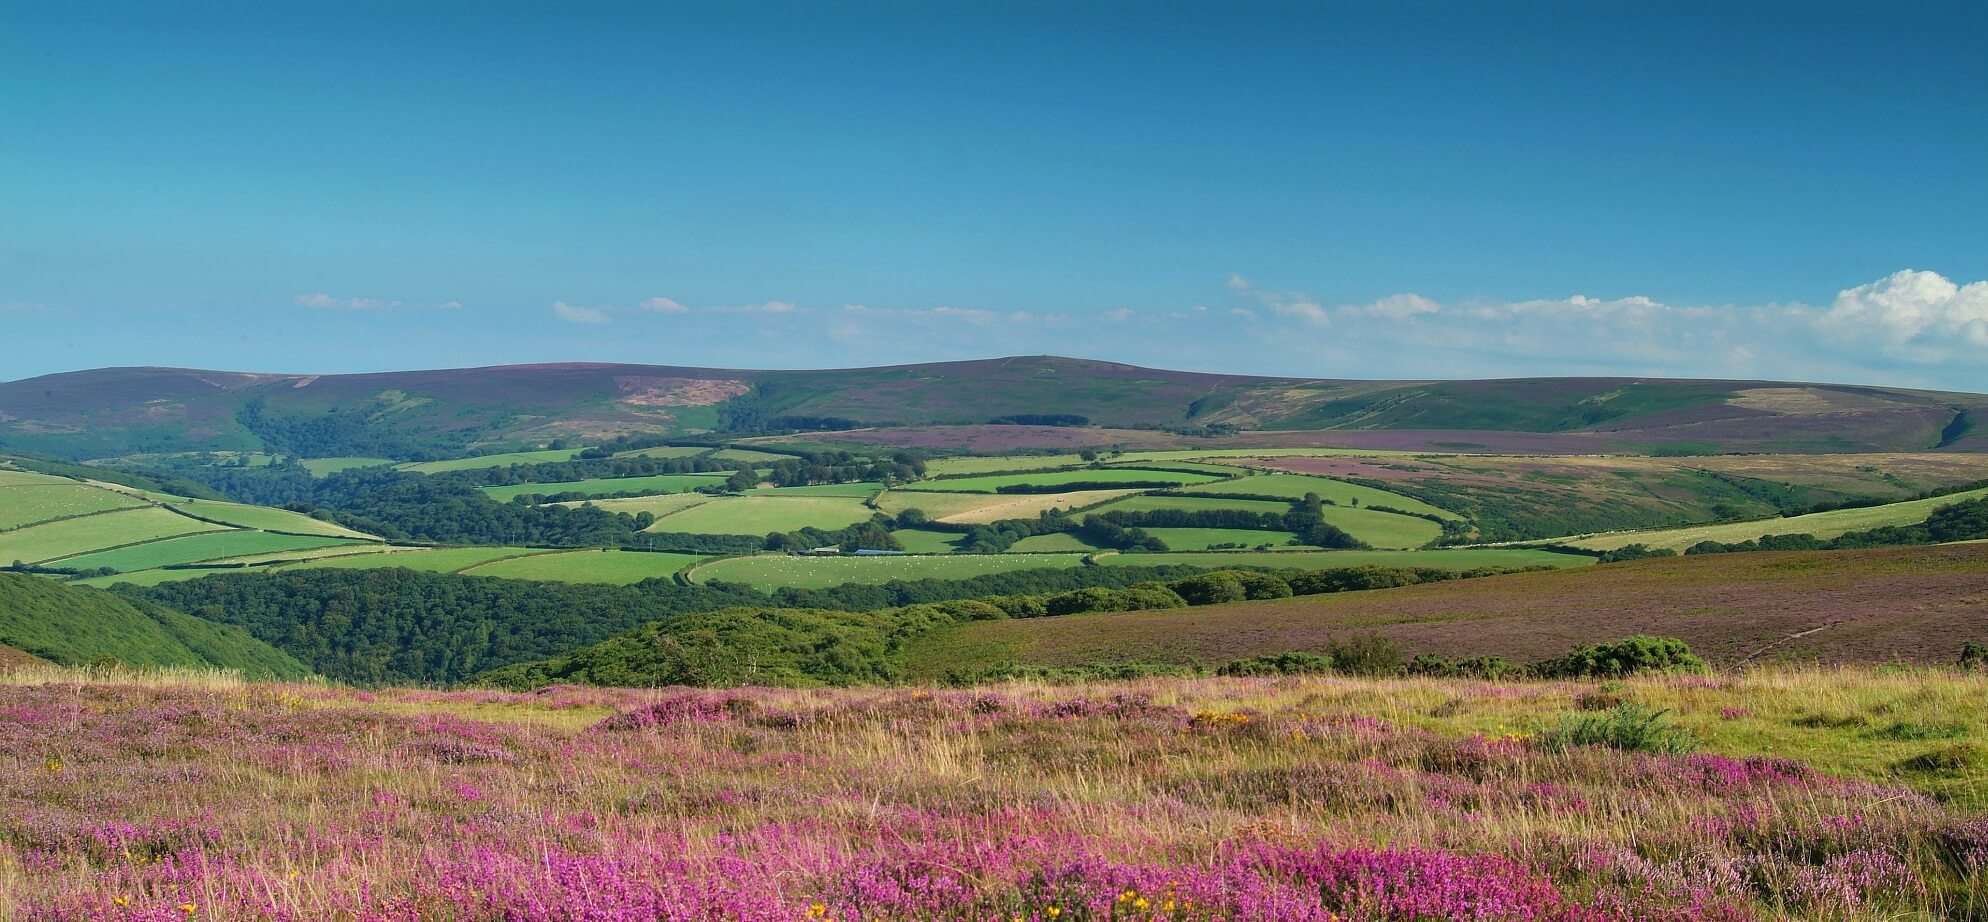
pixel 1823 525
pixel 75 625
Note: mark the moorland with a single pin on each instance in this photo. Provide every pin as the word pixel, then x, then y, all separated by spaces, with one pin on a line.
pixel 1033 637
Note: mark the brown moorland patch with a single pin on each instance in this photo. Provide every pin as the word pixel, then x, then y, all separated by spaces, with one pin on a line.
pixel 1903 604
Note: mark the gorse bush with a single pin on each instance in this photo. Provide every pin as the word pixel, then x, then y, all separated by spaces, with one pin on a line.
pixel 1629 727
pixel 1625 657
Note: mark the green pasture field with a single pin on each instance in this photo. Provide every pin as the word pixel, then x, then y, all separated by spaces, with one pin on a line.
pixel 1191 454
pixel 147 577
pixel 766 512
pixel 69 537
pixel 772 571
pixel 503 460
pixel 750 456
pixel 1296 486
pixel 10 478
pixel 863 490
pixel 1058 541
pixel 926 541
pixel 1156 502
pixel 428 560
pixel 325 467
pixel 261 517
pixel 1199 539
pixel 1098 477
pixel 215 545
pixel 655 483
pixel 587 566
pixel 1219 470
pixel 659 505
pixel 998 463
pixel 1442 559
pixel 1824 525
pixel 28 503
pixel 339 549
pixel 664 451
pixel 934 505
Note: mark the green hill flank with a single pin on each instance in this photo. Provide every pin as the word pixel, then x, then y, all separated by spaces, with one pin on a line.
pixel 73 625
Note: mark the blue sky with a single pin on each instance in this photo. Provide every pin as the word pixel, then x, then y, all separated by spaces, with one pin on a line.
pixel 1791 191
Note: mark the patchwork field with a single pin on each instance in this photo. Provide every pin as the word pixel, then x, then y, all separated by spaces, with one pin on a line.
pixel 432 560
pixel 859 490
pixel 980 508
pixel 925 541
pixel 1823 525
pixel 1441 559
pixel 772 571
pixel 217 545
pixel 26 503
pixel 587 566
pixel 659 505
pixel 764 513
pixel 1200 539
pixel 502 460
pixel 1295 487
pixel 1093 477
pixel 1908 604
pixel 664 451
pixel 260 517
pixel 52 541
pixel 607 486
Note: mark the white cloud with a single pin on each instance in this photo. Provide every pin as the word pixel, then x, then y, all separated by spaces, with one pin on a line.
pixel 1237 282
pixel 449 306
pixel 1301 307
pixel 1398 307
pixel 1912 309
pixel 775 307
pixel 324 301
pixel 1243 312
pixel 1120 313
pixel 572 313
pixel 663 306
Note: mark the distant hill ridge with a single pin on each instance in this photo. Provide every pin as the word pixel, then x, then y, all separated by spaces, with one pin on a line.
pixel 113 411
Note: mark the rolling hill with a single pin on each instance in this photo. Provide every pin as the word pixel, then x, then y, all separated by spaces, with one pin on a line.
pixel 413 414
pixel 73 625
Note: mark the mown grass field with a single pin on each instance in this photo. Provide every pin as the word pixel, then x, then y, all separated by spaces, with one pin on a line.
pixel 55 540
pixel 926 541
pixel 605 486
pixel 659 505
pixel 764 513
pixel 1200 539
pixel 215 545
pixel 664 451
pixel 500 460
pixel 1153 502
pixel 862 490
pixel 1823 525
pixel 261 517
pixel 1907 605
pixel 27 503
pixel 1036 544
pixel 980 508
pixel 1095 477
pixel 1441 558
pixel 772 571
pixel 1304 799
pixel 1295 486
pixel 586 566
pixel 432 560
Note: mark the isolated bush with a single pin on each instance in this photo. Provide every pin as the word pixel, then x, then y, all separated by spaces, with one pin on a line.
pixel 1258 586
pixel 1476 667
pixel 1366 654
pixel 1294 663
pixel 1628 727
pixel 1635 552
pixel 1131 598
pixel 1625 657
pixel 1973 657
pixel 1210 589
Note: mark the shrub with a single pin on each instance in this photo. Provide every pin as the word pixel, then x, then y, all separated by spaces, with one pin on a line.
pixel 1210 589
pixel 1625 657
pixel 1131 598
pixel 1476 667
pixel 1635 552
pixel 1294 663
pixel 1367 654
pixel 1973 657
pixel 1628 727
pixel 1258 586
